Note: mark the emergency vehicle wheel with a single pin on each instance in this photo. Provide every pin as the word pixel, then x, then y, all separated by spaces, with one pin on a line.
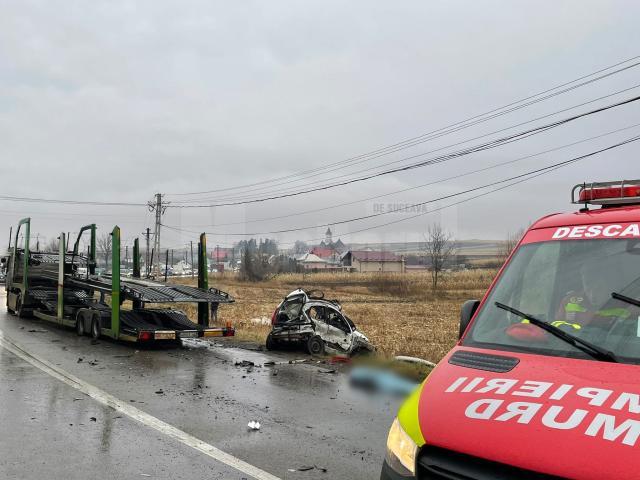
pixel 95 328
pixel 80 325
pixel 315 345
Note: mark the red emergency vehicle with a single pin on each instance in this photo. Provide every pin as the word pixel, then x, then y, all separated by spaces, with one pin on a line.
pixel 545 379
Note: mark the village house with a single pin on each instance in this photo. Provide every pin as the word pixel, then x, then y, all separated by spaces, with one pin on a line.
pixel 311 262
pixel 372 261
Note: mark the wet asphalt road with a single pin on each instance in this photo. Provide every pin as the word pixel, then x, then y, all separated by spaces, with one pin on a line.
pixel 308 417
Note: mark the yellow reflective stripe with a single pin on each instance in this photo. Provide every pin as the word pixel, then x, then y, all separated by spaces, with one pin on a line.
pixel 559 323
pixel 408 416
pixel 614 312
pixel 574 308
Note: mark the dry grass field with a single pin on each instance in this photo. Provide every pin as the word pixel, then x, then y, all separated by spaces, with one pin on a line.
pixel 399 313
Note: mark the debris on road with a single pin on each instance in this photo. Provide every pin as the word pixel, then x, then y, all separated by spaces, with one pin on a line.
pixel 254 425
pixel 93 419
pixel 339 359
pixel 160 392
pixel 245 363
pixel 306 468
pixel 308 319
pixel 403 358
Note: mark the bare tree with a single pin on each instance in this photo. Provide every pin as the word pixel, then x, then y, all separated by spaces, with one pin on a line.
pixel 439 248
pixel 300 247
pixel 509 244
pixel 104 248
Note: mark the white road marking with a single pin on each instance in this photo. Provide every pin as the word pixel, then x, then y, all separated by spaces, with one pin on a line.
pixel 133 412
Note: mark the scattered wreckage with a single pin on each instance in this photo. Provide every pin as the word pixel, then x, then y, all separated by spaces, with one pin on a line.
pixel 308 319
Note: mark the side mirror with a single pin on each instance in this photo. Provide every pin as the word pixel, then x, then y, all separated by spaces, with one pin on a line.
pixel 466 314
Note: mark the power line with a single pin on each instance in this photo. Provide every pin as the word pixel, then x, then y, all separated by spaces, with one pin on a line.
pixel 70 202
pixel 445 197
pixel 459 202
pixel 250 196
pixel 449 128
pixel 247 195
pixel 435 182
pixel 443 158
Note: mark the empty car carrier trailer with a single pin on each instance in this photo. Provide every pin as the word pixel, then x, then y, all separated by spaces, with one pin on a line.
pixel 51 287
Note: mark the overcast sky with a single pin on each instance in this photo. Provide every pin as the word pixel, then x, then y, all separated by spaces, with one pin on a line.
pixel 115 101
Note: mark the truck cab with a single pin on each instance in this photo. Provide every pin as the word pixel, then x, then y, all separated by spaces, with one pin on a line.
pixel 544 380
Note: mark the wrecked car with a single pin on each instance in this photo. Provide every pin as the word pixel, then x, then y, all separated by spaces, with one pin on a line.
pixel 309 320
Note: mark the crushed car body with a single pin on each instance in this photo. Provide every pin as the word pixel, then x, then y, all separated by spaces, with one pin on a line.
pixel 309 320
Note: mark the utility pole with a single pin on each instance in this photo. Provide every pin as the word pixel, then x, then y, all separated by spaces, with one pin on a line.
pixel 159 207
pixel 126 256
pixel 166 266
pixel 147 258
pixel 192 265
pixel 37 242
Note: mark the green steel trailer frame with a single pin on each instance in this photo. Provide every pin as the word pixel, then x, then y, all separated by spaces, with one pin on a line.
pixel 66 299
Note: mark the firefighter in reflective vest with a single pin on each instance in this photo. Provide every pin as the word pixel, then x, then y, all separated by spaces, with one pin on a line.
pixel 591 306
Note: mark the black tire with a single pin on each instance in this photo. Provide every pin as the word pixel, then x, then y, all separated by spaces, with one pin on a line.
pixel 315 345
pixel 95 328
pixel 9 310
pixel 20 311
pixel 271 343
pixel 80 325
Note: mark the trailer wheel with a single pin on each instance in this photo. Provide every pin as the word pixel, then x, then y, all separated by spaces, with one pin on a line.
pixel 80 324
pixel 95 327
pixel 11 311
pixel 315 345
pixel 20 310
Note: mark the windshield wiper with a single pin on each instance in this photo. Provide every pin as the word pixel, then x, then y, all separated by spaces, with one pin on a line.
pixel 624 298
pixel 587 347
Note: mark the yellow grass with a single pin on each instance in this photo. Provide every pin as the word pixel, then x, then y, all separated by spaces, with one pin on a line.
pixel 398 312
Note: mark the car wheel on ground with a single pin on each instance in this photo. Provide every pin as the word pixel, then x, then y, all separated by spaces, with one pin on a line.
pixel 271 343
pixel 315 345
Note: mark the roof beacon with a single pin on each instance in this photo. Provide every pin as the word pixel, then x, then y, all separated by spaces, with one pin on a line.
pixel 625 192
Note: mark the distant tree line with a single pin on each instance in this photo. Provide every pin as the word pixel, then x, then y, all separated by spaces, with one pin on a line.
pixel 261 259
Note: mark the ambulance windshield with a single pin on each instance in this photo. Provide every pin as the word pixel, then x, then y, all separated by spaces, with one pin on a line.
pixel 568 284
